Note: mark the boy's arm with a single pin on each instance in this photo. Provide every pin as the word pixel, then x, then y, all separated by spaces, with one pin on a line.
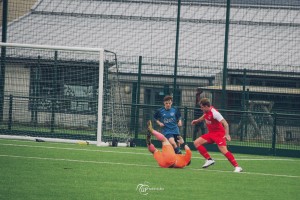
pixel 179 123
pixel 159 123
pixel 196 121
pixel 188 154
pixel 157 116
pixel 226 127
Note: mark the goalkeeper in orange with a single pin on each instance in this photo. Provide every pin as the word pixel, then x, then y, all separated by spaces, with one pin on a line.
pixel 167 157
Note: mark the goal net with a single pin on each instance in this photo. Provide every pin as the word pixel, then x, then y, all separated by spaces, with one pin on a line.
pixel 54 93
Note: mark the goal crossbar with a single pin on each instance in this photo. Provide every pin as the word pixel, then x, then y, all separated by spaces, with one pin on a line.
pixel 4 44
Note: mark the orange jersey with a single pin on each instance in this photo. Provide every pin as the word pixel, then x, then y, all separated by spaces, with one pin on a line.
pixel 167 157
pixel 183 159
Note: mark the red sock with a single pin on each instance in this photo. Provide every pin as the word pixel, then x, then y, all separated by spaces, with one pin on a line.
pixel 231 159
pixel 151 148
pixel 203 152
pixel 158 135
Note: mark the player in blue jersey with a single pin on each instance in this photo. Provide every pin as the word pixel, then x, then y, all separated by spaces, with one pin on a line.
pixel 169 119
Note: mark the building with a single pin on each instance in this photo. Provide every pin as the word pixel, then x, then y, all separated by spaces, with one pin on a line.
pixel 263 40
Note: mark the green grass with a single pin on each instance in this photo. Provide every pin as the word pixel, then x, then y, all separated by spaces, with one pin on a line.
pixel 31 170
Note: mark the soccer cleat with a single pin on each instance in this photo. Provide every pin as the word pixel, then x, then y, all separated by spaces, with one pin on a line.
pixel 238 169
pixel 149 126
pixel 148 139
pixel 148 134
pixel 208 163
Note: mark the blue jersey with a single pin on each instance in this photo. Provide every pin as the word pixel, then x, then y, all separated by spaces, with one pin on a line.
pixel 169 118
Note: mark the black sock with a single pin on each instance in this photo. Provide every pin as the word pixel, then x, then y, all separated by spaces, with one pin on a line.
pixel 177 150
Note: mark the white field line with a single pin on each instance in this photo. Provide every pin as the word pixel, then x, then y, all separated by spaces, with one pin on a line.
pixel 147 153
pixel 139 165
pixel 136 149
pixel 122 148
pixel 74 149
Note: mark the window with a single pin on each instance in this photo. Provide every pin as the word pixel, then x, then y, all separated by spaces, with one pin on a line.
pixel 155 96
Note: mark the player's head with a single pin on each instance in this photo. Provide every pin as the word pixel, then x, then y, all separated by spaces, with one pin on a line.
pixel 205 104
pixel 168 100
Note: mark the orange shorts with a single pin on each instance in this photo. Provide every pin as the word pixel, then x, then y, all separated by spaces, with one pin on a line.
pixel 165 158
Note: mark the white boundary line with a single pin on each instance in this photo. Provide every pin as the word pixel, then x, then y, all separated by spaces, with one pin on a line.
pixel 58 140
pixel 138 153
pixel 123 146
pixel 74 149
pixel 139 165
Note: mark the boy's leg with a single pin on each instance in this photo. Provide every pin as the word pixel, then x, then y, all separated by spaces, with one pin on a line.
pixel 230 158
pixel 157 134
pixel 228 155
pixel 202 150
pixel 148 138
pixel 173 142
pixel 198 143
pixel 150 146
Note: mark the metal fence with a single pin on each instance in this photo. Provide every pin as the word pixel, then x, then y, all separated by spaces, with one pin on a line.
pixel 264 133
pixel 245 55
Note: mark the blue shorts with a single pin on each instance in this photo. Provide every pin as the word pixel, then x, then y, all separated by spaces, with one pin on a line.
pixel 168 136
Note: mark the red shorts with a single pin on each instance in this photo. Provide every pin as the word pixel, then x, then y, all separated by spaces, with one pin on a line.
pixel 215 137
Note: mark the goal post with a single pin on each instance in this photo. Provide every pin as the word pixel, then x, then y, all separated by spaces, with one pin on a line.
pixel 62 94
pixel 100 97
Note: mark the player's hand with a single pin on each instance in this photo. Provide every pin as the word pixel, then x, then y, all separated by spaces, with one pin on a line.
pixel 179 123
pixel 194 122
pixel 180 139
pixel 228 137
pixel 161 124
pixel 186 147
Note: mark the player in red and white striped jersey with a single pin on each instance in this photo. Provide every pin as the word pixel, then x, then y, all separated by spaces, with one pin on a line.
pixel 218 132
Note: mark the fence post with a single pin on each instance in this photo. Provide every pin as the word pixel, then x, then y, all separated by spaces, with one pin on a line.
pixel 10 112
pixel 185 123
pixel 3 56
pixel 243 105
pixel 274 134
pixel 137 108
pixel 54 94
pixel 176 54
pixel 224 93
pixel 133 107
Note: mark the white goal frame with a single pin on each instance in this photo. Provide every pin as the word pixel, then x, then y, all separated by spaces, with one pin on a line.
pixel 99 141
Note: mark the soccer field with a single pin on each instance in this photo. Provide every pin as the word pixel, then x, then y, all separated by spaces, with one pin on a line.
pixel 31 170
